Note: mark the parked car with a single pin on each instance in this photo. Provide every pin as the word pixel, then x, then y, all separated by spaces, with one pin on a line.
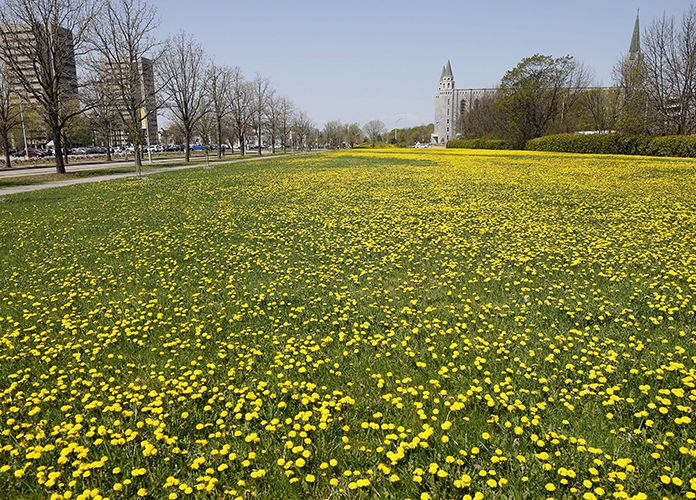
pixel 30 152
pixel 197 147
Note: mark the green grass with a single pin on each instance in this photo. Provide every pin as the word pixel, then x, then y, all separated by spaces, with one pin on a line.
pixel 534 312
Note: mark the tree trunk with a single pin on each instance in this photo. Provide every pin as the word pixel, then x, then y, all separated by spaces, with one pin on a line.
pixel 258 136
pixel 137 156
pixel 242 146
pixel 187 147
pixel 138 160
pixel 273 142
pixel 137 140
pixel 108 147
pixel 219 140
pixel 58 148
pixel 6 148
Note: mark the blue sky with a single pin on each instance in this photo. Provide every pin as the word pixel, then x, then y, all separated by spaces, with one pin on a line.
pixel 381 59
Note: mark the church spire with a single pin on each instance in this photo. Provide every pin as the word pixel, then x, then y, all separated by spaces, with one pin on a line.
pixel 448 70
pixel 634 49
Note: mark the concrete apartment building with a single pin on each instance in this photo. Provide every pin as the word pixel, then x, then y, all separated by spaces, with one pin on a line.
pixel 27 50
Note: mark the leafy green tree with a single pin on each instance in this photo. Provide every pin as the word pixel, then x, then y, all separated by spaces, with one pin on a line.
pixel 537 92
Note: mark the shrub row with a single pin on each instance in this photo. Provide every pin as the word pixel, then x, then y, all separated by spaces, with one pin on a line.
pixel 478 144
pixel 672 145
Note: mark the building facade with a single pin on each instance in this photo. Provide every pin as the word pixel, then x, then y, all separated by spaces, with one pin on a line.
pixel 26 48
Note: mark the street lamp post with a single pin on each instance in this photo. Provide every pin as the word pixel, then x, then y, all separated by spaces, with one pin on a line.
pixel 24 131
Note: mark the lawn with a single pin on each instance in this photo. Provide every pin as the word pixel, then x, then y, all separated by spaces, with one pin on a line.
pixel 392 323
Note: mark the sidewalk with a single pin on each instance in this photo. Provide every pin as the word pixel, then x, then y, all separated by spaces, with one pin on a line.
pixel 146 171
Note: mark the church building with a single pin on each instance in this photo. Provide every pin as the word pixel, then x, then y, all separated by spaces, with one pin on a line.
pixel 451 102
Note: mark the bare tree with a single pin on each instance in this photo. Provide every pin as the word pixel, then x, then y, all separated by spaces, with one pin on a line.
pixel 39 42
pixel 635 113
pixel 601 108
pixel 262 92
pixel 669 59
pixel 182 73
pixel 313 134
pixel 374 129
pixel 353 134
pixel 218 89
pixel 104 117
pixel 286 110
pixel 482 119
pixel 302 129
pixel 9 114
pixel 206 127
pixel 274 119
pixel 241 107
pixel 333 133
pixel 125 48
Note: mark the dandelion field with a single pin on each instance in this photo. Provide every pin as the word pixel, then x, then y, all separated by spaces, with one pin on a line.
pixel 392 323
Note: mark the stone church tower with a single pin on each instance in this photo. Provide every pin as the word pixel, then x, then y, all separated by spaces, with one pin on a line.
pixel 444 107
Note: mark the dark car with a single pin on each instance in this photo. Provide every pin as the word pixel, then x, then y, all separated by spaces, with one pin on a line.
pixel 31 153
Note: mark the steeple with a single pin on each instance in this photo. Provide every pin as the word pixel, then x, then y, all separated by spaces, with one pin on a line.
pixel 634 49
pixel 448 70
pixel 442 73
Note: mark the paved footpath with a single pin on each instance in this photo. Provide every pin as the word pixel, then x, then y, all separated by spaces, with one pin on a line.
pixel 25 171
pixel 146 171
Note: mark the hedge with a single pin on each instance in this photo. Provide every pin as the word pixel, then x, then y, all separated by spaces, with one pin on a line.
pixel 480 143
pixel 673 145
